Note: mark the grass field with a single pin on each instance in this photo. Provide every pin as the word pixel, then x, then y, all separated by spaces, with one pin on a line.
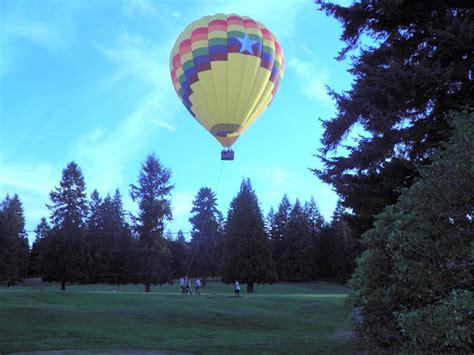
pixel 282 318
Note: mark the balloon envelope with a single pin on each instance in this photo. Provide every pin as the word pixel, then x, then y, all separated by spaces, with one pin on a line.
pixel 226 70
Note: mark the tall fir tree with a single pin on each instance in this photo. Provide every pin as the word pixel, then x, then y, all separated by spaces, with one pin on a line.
pixel 278 235
pixel 121 257
pixel 298 264
pixel 314 216
pixel 206 235
pixel 269 222
pixel 95 238
pixel 14 248
pixel 109 240
pixel 247 249
pixel 345 244
pixel 337 248
pixel 418 67
pixel 42 231
pixel 64 252
pixel 179 251
pixel 154 204
pixel 316 225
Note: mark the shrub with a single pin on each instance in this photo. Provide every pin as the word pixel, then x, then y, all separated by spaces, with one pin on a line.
pixel 443 327
pixel 420 251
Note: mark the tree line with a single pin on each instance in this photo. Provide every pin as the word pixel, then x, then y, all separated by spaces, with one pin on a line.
pixel 92 239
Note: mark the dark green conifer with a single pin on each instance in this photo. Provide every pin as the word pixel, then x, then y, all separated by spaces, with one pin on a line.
pixel 247 249
pixel 154 204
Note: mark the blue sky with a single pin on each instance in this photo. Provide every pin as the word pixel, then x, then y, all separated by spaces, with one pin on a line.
pixel 89 81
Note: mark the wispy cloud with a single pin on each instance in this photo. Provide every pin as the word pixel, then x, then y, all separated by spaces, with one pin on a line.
pixel 182 204
pixel 281 16
pixel 32 182
pixel 272 181
pixel 278 178
pixel 30 178
pixel 44 34
pixel 22 27
pixel 137 57
pixel 135 60
pixel 269 181
pixel 165 125
pixel 105 153
pixel 312 81
pixel 150 8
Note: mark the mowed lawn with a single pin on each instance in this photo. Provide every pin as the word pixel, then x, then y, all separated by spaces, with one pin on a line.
pixel 286 318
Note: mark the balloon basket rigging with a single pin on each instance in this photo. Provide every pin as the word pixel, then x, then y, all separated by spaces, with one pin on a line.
pixel 227 154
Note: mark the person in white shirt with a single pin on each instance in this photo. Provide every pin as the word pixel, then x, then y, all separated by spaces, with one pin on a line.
pixel 197 286
pixel 188 285
pixel 237 288
pixel 182 284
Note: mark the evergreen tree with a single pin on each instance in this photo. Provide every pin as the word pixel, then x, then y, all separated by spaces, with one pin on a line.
pixel 327 254
pixel 345 245
pixel 419 67
pixel 41 232
pixel 64 253
pixel 109 239
pixel 179 252
pixel 269 222
pixel 121 257
pixel 69 201
pixel 415 280
pixel 337 248
pixel 180 237
pixel 298 264
pixel 95 238
pixel 314 216
pixel 169 235
pixel 278 235
pixel 206 235
pixel 316 225
pixel 247 249
pixel 14 248
pixel 153 196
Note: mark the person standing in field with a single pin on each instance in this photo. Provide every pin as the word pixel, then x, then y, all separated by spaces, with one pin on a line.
pixel 182 284
pixel 197 286
pixel 188 286
pixel 237 288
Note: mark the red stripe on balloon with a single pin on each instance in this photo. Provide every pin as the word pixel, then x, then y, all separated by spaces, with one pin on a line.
pixel 185 46
pixel 267 34
pixel 176 61
pixel 199 37
pixel 199 30
pixel 174 77
pixel 249 23
pixel 222 28
pixel 218 25
pixel 231 18
pixel 278 48
pixel 235 20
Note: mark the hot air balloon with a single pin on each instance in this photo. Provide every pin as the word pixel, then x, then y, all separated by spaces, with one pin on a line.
pixel 226 69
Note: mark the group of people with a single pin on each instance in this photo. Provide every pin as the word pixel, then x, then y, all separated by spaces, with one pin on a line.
pixel 185 284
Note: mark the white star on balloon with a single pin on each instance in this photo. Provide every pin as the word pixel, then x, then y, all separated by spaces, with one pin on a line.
pixel 246 44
